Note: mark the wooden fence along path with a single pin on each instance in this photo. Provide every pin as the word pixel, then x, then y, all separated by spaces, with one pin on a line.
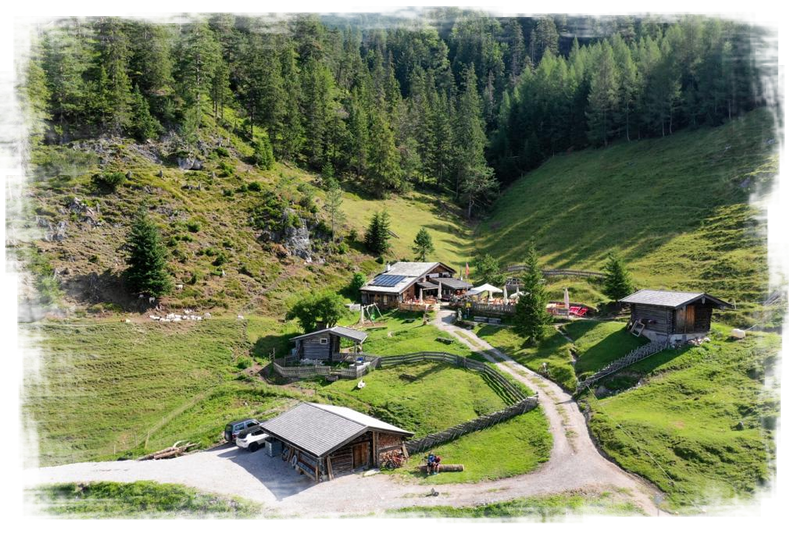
pixel 281 366
pixel 476 424
pixel 636 355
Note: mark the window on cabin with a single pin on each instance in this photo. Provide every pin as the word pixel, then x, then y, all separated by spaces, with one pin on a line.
pixel 323 340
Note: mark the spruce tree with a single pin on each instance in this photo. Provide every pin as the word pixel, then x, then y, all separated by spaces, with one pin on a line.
pixel 531 315
pixel 264 155
pixel 23 89
pixel 198 56
pixel 603 97
pixel 423 245
pixel 617 283
pixel 142 126
pixel 377 236
pixel 114 83
pixel 488 269
pixel 146 258
pixel 333 207
pixel 48 292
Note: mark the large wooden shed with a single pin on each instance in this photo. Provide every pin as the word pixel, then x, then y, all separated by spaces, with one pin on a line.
pixel 324 344
pixel 325 441
pixel 404 281
pixel 671 315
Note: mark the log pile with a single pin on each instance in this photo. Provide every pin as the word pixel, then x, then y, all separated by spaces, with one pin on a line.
pixel 444 468
pixel 175 450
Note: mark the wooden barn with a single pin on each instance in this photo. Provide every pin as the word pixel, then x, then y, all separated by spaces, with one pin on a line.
pixel 670 315
pixel 325 441
pixel 405 281
pixel 324 344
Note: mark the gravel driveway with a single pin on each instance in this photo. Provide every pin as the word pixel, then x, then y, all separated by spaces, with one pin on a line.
pixel 575 464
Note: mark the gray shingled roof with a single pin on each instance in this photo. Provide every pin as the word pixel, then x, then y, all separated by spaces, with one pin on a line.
pixel 454 283
pixel 339 331
pixel 668 298
pixel 319 429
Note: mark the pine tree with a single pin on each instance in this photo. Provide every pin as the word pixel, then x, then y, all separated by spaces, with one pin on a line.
pixel 48 295
pixel 264 156
pixel 142 125
pixel 198 56
pixel 23 89
pixel 151 68
pixel 333 208
pixel 546 38
pixel 603 97
pixel 114 83
pixel 488 269
pixel 383 161
pixel 531 316
pixel 146 258
pixel 66 61
pixel 423 245
pixel 377 237
pixel 617 283
pixel 473 177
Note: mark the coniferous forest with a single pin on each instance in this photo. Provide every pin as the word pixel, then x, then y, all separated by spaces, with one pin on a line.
pixel 458 102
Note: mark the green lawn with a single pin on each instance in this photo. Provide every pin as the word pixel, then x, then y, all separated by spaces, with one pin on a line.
pixel 403 332
pixel 599 343
pixel 511 448
pixel 677 210
pixel 422 397
pixel 106 389
pixel 684 419
pixel 149 508
pixel 554 350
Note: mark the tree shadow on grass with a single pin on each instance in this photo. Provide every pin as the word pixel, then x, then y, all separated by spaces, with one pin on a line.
pixel 280 345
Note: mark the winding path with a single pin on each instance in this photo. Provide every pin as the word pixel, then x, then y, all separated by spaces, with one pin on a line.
pixel 574 465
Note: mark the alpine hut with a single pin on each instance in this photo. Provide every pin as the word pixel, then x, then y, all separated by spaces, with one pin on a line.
pixel 325 441
pixel 670 315
pixel 325 344
pixel 405 281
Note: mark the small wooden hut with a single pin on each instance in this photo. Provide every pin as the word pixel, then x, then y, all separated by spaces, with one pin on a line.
pixel 324 344
pixel 325 441
pixel 671 315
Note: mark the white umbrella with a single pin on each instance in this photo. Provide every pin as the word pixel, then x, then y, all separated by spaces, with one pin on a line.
pixel 484 288
pixel 505 295
pixel 566 299
pixel 439 294
pixel 420 294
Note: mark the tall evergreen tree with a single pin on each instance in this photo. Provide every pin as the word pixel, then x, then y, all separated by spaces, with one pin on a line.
pixel 114 86
pixel 617 283
pixel 146 258
pixel 531 316
pixel 603 97
pixel 423 245
pixel 198 57
pixel 378 234
pixel 545 38
pixel 333 208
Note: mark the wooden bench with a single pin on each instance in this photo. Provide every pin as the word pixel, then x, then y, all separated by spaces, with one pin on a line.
pixel 494 321
pixel 480 319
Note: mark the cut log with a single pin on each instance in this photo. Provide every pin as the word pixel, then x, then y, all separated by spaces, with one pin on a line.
pixel 444 468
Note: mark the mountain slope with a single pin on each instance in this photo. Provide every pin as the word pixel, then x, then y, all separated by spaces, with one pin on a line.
pixel 675 208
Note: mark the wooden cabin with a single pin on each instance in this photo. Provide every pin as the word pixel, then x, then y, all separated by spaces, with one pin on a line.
pixel 671 315
pixel 405 281
pixel 324 344
pixel 325 441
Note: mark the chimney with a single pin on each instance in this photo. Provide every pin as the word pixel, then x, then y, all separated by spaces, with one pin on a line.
pixel 388 267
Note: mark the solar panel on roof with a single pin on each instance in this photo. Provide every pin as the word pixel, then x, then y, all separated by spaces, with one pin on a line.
pixel 387 280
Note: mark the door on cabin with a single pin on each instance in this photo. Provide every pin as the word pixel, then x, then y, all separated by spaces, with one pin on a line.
pixel 689 319
pixel 680 320
pixel 360 455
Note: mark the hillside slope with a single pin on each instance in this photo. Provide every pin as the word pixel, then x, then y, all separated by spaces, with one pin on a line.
pixel 676 209
pixel 215 221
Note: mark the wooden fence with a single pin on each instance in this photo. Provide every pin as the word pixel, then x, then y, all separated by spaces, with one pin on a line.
pixel 504 388
pixel 476 424
pixel 551 272
pixel 282 368
pixel 483 309
pixel 636 355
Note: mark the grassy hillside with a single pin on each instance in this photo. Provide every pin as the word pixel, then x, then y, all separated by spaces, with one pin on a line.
pixel 149 508
pixel 700 425
pixel 212 221
pixel 675 208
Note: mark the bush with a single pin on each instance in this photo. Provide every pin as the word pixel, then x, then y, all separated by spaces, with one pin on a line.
pixel 219 260
pixel 193 226
pixel 222 152
pixel 342 248
pixel 242 362
pixel 225 169
pixel 254 186
pixel 108 180
pixel 63 165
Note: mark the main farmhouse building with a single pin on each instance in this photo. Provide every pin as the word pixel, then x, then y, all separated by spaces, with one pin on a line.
pixel 406 281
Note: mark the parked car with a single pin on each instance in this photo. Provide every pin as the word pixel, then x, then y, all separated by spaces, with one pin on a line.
pixel 252 438
pixel 232 430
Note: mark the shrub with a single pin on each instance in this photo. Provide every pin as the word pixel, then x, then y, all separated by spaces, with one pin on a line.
pixel 227 192
pixel 222 152
pixel 343 248
pixel 219 260
pixel 254 186
pixel 108 180
pixel 193 226
pixel 225 169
